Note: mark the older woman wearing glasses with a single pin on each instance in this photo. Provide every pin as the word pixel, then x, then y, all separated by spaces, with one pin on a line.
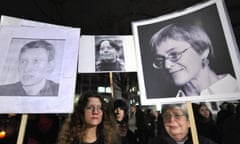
pixel 184 52
pixel 177 127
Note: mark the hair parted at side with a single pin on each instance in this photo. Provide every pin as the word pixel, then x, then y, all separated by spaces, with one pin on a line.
pixel 40 44
pixel 111 42
pixel 193 34
pixel 74 127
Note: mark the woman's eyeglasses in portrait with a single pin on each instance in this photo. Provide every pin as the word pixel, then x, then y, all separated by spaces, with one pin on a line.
pixel 173 56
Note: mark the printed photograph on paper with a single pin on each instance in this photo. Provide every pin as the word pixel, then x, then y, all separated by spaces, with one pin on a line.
pixel 187 55
pixel 109 54
pixel 32 68
pixel 106 53
pixel 38 69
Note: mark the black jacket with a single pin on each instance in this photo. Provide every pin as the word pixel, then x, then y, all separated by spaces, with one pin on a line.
pixel 164 139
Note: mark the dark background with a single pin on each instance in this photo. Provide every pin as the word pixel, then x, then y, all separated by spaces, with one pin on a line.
pixel 98 17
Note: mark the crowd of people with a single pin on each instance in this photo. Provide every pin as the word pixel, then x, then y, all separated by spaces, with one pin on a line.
pixel 95 121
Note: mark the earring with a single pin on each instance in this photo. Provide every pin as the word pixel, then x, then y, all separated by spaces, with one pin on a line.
pixel 205 62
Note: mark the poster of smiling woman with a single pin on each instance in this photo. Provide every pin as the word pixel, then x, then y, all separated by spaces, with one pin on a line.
pixel 188 55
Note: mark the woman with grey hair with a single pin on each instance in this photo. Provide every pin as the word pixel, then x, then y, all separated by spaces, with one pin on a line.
pixel 184 52
pixel 177 126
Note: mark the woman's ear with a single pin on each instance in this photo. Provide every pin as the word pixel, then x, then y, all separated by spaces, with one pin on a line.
pixel 204 58
pixel 205 54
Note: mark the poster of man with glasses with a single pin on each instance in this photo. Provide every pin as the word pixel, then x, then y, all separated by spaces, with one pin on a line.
pixel 187 55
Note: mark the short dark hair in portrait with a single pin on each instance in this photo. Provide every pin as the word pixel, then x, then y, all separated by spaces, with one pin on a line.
pixel 36 61
pixel 109 55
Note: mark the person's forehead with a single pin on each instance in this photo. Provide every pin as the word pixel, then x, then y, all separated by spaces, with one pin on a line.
pixel 203 107
pixel 172 43
pixel 119 108
pixel 94 100
pixel 34 52
pixel 105 43
pixel 174 110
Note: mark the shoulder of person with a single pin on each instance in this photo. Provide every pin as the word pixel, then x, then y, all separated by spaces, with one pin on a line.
pixel 10 89
pixel 205 140
pixel 161 139
pixel 98 65
pixel 53 84
pixel 11 85
pixel 98 62
pixel 120 62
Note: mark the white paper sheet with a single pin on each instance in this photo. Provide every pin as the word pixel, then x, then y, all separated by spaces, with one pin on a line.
pixel 66 42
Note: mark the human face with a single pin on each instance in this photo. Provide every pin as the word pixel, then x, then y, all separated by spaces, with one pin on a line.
pixel 119 113
pixel 107 52
pixel 176 124
pixel 133 109
pixel 93 112
pixel 187 67
pixel 33 66
pixel 204 111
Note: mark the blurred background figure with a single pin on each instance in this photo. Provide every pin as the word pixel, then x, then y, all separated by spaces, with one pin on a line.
pixel 42 129
pixel 205 124
pixel 121 110
pixel 149 124
pixel 227 109
pixel 231 128
pixel 137 122
pixel 9 127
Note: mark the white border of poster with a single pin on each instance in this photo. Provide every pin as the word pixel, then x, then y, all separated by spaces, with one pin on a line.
pixel 14 21
pixel 66 42
pixel 211 15
pixel 87 53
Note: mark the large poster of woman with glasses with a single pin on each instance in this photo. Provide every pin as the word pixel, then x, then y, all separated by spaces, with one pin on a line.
pixel 187 54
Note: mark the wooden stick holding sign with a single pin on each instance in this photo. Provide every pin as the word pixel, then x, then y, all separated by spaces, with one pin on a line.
pixel 21 132
pixel 111 84
pixel 192 123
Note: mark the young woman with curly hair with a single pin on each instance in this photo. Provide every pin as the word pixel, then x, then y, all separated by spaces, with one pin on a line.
pixel 91 123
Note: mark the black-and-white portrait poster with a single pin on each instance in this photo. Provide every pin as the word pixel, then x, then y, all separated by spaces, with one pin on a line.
pixel 106 53
pixel 188 55
pixel 38 69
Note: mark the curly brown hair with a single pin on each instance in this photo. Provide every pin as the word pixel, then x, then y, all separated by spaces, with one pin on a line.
pixel 73 130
